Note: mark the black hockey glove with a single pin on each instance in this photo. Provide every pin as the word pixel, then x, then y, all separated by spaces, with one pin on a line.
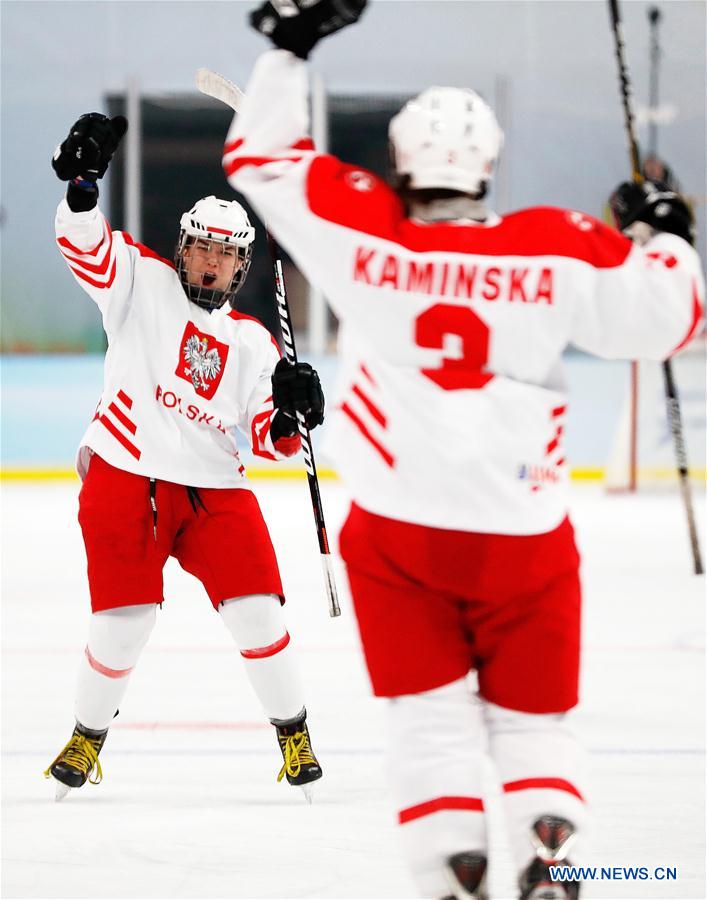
pixel 84 156
pixel 297 25
pixel 295 389
pixel 654 204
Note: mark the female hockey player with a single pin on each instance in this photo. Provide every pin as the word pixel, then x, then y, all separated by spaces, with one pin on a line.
pixel 449 433
pixel 159 462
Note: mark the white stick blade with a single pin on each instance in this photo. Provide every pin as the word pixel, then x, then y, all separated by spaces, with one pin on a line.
pixel 220 88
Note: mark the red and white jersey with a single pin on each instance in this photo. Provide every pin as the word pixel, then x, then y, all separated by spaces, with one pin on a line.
pixel 452 404
pixel 178 380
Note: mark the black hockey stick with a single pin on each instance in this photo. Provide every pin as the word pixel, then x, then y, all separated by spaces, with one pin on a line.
pixel 671 394
pixel 215 85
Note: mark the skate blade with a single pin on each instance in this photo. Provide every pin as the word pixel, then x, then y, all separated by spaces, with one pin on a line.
pixel 61 791
pixel 308 791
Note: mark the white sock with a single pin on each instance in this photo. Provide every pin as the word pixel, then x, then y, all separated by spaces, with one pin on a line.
pixel 542 770
pixel 435 770
pixel 257 624
pixel 116 638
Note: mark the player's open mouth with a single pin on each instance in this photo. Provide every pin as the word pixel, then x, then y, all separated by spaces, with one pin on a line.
pixel 208 279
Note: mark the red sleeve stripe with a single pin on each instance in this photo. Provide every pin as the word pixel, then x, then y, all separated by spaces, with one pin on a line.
pixel 234 145
pixel 270 650
pixel 367 374
pixel 123 397
pixel 259 434
pixel 65 242
pixel 559 411
pixel 122 418
pixel 96 284
pixel 370 406
pixel 305 143
pixel 696 320
pixel 555 442
pixel 377 446
pixel 440 804
pixel 240 161
pixel 104 670
pixel 543 784
pixel 120 437
pixel 96 268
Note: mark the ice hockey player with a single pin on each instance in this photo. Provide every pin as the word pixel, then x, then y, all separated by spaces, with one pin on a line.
pixel 159 462
pixel 449 433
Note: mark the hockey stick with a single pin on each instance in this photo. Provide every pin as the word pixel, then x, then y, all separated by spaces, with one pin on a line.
pixel 671 394
pixel 215 85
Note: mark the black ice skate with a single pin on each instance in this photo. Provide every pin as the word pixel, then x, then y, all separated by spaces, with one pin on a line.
pixel 78 761
pixel 299 762
pixel 553 838
pixel 466 873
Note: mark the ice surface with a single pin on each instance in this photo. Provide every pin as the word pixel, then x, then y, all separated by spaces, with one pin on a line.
pixel 189 806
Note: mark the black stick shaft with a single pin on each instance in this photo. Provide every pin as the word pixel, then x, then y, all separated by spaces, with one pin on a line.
pixel 288 335
pixel 654 19
pixel 671 394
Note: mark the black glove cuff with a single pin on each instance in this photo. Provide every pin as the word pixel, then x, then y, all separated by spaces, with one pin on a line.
pixel 81 195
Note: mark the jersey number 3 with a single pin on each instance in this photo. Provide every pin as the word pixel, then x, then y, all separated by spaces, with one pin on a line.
pixel 461 333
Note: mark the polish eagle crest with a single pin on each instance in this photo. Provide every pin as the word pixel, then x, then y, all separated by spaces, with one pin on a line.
pixel 204 364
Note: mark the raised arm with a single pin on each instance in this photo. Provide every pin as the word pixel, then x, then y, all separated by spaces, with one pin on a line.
pixel 100 262
pixel 651 304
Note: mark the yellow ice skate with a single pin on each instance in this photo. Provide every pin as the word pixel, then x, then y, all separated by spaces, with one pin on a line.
pixel 78 761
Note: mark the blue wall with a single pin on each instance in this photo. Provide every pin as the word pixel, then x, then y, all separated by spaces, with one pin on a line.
pixel 47 402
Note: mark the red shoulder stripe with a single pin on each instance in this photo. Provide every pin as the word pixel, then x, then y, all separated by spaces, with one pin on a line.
pixel 239 316
pixel 357 199
pixel 145 251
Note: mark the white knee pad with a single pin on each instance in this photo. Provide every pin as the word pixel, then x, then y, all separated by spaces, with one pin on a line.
pixel 257 624
pixel 254 621
pixel 116 637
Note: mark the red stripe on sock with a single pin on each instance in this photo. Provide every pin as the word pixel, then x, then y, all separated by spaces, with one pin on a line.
pixel 270 650
pixel 104 670
pixel 439 804
pixel 552 784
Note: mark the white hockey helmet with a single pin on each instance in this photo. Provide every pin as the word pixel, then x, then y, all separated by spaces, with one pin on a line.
pixel 446 138
pixel 223 221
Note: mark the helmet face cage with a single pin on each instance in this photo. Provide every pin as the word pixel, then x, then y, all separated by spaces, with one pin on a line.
pixel 208 298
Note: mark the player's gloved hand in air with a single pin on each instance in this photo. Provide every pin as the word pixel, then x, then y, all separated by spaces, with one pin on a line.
pixel 84 156
pixel 297 25
pixel 654 204
pixel 295 389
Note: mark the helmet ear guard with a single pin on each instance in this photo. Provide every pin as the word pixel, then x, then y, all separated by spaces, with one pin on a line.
pixel 225 222
pixel 445 139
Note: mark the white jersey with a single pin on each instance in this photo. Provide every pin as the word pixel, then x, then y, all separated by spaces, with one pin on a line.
pixel 452 404
pixel 178 380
